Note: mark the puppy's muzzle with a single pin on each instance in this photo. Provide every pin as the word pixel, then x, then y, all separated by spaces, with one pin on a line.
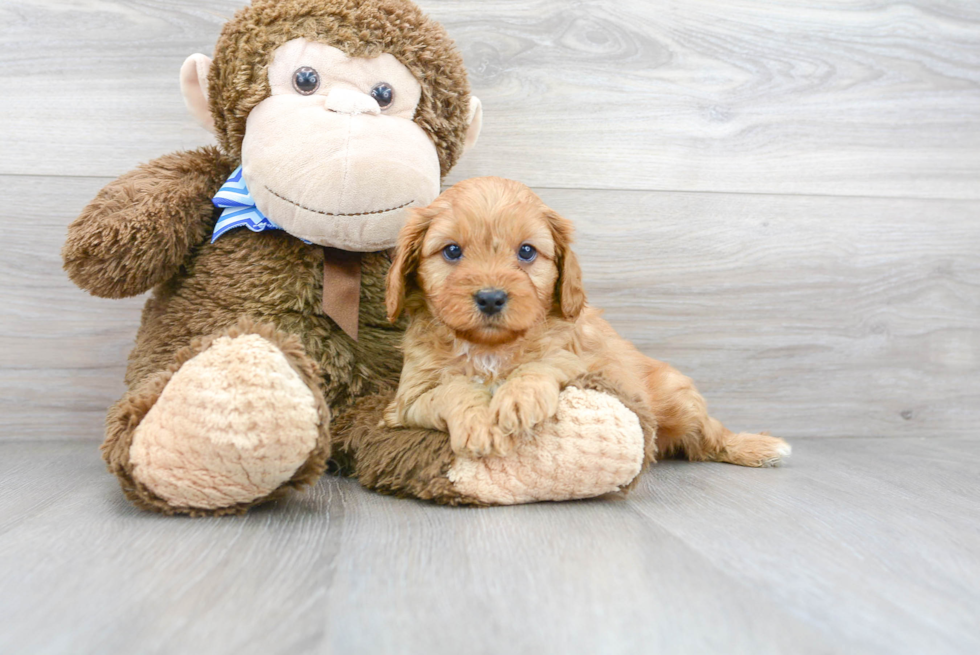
pixel 490 301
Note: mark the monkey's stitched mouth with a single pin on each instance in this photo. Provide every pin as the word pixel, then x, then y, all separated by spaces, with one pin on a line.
pixel 319 211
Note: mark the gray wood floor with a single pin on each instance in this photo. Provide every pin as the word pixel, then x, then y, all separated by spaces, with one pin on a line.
pixel 858 545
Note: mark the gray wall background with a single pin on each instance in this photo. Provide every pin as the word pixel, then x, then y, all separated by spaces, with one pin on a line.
pixel 781 199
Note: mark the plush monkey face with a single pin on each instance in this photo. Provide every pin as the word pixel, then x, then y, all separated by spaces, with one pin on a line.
pixel 333 156
pixel 339 146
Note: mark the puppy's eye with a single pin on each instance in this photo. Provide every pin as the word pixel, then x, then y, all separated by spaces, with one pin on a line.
pixel 306 80
pixel 384 94
pixel 452 252
pixel 527 253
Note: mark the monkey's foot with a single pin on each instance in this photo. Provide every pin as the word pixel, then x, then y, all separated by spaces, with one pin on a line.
pixel 236 422
pixel 594 445
pixel 232 425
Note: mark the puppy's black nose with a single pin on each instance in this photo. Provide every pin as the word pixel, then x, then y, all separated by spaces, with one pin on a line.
pixel 490 301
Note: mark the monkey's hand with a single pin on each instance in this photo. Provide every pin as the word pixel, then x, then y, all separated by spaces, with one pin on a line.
pixel 141 227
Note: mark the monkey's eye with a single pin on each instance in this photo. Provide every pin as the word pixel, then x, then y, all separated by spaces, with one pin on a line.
pixel 384 94
pixel 306 80
pixel 527 253
pixel 452 252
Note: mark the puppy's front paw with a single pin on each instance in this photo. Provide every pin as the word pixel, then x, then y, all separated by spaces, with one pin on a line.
pixel 390 418
pixel 473 434
pixel 518 407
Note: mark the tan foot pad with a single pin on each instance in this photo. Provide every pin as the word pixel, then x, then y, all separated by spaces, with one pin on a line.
pixel 593 446
pixel 233 424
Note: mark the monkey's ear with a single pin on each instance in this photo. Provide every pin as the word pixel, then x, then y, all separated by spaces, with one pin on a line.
pixel 194 88
pixel 569 290
pixel 408 254
pixel 475 122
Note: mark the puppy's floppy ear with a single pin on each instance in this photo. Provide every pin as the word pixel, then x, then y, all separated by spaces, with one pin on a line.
pixel 569 291
pixel 408 254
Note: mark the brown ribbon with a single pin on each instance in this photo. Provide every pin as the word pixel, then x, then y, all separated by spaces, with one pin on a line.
pixel 342 288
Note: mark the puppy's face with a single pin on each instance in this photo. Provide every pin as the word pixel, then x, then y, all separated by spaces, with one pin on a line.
pixel 490 259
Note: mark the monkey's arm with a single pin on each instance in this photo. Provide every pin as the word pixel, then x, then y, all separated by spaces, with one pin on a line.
pixel 141 227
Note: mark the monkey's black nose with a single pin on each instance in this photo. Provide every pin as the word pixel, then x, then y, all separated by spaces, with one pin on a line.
pixel 490 301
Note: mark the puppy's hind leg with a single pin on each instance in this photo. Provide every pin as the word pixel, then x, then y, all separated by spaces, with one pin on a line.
pixel 686 428
pixel 719 444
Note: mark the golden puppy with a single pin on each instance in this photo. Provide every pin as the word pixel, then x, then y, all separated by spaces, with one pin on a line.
pixel 500 324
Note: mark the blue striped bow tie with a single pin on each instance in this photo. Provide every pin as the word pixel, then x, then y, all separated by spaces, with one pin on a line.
pixel 239 208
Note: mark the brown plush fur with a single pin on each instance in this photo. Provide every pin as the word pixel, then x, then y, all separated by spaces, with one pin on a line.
pixel 149 229
pixel 397 462
pixel 489 379
pixel 127 414
pixel 269 278
pixel 139 230
pixel 359 28
pixel 274 278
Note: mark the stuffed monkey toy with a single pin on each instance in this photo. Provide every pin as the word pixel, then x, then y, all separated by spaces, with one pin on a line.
pixel 264 349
